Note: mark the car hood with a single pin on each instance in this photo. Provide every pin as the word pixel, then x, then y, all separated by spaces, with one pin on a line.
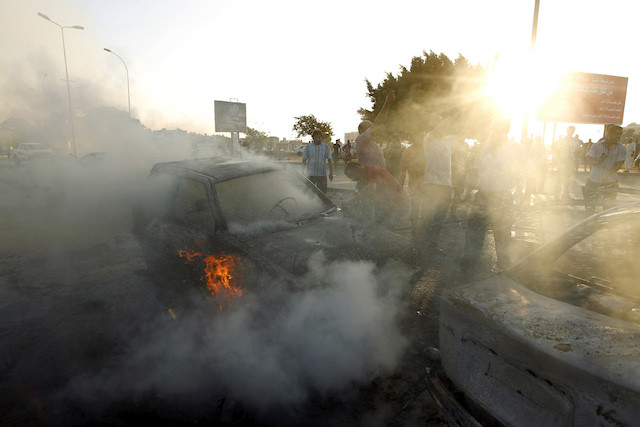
pixel 339 237
pixel 529 359
pixel 596 343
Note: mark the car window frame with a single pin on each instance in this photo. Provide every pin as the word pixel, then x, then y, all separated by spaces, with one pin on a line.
pixel 177 176
pixel 541 265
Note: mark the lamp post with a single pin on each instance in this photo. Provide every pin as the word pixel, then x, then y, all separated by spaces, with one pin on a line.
pixel 66 70
pixel 127 70
pixel 534 34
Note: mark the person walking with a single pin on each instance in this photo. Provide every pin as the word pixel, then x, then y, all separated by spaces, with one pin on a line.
pixel 315 157
pixel 605 157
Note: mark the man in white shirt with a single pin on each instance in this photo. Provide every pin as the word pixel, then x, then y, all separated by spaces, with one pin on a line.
pixel 436 184
pixel 501 164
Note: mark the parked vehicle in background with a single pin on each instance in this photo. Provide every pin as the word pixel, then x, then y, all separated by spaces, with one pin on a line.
pixel 555 340
pixel 31 151
pixel 299 149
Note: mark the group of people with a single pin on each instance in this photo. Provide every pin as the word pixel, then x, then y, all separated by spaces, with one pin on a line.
pixel 442 171
pixel 346 150
pixel 602 160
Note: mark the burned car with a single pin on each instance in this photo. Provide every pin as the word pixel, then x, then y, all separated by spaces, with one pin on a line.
pixel 238 220
pixel 554 340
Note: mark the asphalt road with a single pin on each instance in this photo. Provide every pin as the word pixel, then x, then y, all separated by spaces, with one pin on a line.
pixel 77 305
pixel 76 300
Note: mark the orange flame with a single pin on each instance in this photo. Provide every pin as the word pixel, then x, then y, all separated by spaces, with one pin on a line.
pixel 218 272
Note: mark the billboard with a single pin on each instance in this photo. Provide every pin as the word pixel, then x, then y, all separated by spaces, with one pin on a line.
pixel 586 98
pixel 230 116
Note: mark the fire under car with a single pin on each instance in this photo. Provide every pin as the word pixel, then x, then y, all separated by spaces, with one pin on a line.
pixel 229 223
pixel 555 340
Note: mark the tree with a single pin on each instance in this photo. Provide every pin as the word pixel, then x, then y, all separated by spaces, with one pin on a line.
pixel 305 125
pixel 255 139
pixel 432 88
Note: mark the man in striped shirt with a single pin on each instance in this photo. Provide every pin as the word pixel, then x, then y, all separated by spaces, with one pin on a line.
pixel 315 156
pixel 605 157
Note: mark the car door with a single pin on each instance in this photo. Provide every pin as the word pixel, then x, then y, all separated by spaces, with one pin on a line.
pixel 173 213
pixel 192 224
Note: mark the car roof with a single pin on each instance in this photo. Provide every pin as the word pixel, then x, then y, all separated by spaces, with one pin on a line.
pixel 217 168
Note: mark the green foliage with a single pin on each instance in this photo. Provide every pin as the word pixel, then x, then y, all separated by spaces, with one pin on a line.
pixel 255 139
pixel 432 88
pixel 305 125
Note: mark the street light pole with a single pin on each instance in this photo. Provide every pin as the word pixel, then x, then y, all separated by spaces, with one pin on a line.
pixel 534 34
pixel 127 70
pixel 66 70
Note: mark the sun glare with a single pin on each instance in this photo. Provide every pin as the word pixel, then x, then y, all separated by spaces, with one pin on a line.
pixel 521 86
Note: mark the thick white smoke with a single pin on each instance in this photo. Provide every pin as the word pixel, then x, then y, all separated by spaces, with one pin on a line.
pixel 343 329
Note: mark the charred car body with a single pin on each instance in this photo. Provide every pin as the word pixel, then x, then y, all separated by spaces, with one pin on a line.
pixel 254 217
pixel 556 339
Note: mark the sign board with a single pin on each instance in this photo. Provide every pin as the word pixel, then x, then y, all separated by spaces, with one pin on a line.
pixel 230 116
pixel 586 98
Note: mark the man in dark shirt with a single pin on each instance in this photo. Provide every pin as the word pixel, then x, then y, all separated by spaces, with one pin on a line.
pixel 336 152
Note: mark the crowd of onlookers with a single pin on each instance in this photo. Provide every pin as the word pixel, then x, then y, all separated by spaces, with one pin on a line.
pixel 428 176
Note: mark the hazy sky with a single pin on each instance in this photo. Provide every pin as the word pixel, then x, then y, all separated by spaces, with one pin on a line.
pixel 284 58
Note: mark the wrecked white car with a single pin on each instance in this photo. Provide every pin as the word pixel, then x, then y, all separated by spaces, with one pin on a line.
pixel 238 220
pixel 31 151
pixel 554 340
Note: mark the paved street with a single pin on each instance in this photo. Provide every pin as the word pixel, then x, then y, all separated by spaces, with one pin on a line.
pixel 75 300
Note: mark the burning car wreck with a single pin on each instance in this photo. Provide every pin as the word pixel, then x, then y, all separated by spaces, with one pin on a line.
pixel 250 218
pixel 555 340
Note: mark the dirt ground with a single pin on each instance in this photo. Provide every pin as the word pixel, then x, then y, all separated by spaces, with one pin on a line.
pixel 75 293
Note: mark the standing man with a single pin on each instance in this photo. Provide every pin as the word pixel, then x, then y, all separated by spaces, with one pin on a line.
pixel 631 155
pixel 347 152
pixel 336 152
pixel 437 181
pixel 367 150
pixel 412 166
pixel 565 151
pixel 500 165
pixel 605 157
pixel 315 156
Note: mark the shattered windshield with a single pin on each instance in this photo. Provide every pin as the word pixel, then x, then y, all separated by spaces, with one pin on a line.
pixel 265 199
pixel 608 259
pixel 599 273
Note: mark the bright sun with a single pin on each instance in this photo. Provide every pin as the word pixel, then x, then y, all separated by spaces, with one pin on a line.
pixel 520 87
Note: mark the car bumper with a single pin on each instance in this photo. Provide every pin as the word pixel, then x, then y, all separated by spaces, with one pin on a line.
pixel 449 400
